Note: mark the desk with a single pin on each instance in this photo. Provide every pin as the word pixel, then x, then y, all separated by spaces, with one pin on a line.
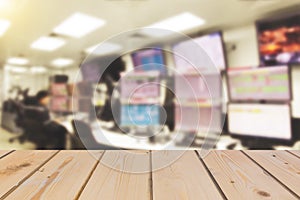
pixel 123 141
pixel 220 175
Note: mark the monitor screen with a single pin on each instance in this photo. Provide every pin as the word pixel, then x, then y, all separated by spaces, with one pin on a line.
pixel 149 60
pixel 279 41
pixel 269 83
pixel 258 120
pixel 137 85
pixel 140 115
pixel 209 54
pixel 60 104
pixel 59 89
pixel 197 119
pixel 194 87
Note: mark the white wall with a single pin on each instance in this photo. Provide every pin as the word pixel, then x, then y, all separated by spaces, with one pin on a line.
pixel 246 50
pixel 1 87
pixel 35 82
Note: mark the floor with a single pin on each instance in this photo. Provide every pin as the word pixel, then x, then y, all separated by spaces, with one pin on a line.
pixel 5 144
pixel 150 175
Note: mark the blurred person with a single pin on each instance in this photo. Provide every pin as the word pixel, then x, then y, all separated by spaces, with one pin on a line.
pixel 54 131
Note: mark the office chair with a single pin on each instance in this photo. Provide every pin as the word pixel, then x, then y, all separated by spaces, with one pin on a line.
pixel 35 131
pixel 86 138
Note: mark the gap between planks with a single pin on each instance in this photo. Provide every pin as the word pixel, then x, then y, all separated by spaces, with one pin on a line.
pixel 211 176
pixel 13 188
pixel 4 153
pixel 89 177
pixel 267 170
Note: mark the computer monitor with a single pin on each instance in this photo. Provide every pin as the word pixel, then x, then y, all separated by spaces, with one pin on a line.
pixel 59 104
pixel 263 121
pixel 139 86
pixel 195 118
pixel 59 89
pixel 149 60
pixel 254 84
pixel 194 86
pixel 202 52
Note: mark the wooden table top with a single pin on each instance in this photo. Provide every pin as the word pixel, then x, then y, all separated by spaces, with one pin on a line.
pixel 149 175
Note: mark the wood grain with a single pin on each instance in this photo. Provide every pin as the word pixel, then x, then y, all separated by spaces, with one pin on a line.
pixel 281 164
pixel 63 176
pixel 240 178
pixel 18 166
pixel 186 178
pixel 114 177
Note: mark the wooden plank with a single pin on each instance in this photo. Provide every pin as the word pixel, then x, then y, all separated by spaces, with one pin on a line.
pixel 295 152
pixel 282 165
pixel 4 152
pixel 63 176
pixel 185 178
pixel 115 177
pixel 240 178
pixel 18 166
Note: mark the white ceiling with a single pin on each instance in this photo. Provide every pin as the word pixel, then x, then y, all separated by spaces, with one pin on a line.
pixel 31 19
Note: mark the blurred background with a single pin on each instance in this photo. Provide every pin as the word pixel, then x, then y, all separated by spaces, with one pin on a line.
pixel 69 68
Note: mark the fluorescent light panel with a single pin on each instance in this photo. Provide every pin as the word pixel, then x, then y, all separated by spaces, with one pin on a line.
pixel 4 25
pixel 48 43
pixel 17 61
pixel 103 48
pixel 38 69
pixel 79 25
pixel 62 62
pixel 17 69
pixel 178 23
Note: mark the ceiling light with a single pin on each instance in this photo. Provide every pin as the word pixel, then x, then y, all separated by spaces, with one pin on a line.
pixel 78 25
pixel 17 61
pixel 17 69
pixel 178 23
pixel 48 43
pixel 62 62
pixel 4 25
pixel 38 69
pixel 103 48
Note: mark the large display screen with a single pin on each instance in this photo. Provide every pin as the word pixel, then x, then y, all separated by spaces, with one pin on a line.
pixel 209 53
pixel 279 41
pixel 269 83
pixel 257 120
pixel 149 60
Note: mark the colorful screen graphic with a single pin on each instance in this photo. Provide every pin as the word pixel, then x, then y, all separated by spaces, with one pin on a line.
pixel 140 115
pixel 279 41
pixel 149 60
